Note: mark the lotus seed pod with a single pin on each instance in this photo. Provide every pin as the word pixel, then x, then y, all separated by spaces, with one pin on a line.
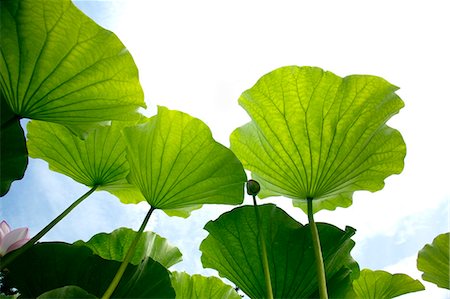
pixel 253 187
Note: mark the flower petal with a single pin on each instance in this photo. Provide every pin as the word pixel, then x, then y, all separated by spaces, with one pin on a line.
pixel 11 238
pixel 4 229
pixel 18 244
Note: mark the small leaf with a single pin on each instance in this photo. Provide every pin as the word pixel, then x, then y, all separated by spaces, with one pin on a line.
pixel 232 249
pixel 383 285
pixel 98 160
pixel 182 212
pixel 201 287
pixel 66 292
pixel 71 265
pixel 177 164
pixel 316 135
pixel 114 246
pixel 60 66
pixel 433 261
pixel 14 155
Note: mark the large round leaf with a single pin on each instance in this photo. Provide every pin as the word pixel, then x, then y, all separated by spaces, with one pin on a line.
pixel 316 135
pixel 201 287
pixel 66 292
pixel 97 160
pixel 48 266
pixel 232 248
pixel 383 285
pixel 433 261
pixel 60 66
pixel 177 164
pixel 13 150
pixel 115 245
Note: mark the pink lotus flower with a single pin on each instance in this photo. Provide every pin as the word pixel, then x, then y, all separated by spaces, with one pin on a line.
pixel 11 239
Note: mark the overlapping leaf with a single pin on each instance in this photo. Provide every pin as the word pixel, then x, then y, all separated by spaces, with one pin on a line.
pixel 232 248
pixel 49 266
pixel 316 135
pixel 98 160
pixel 66 292
pixel 201 287
pixel 433 261
pixel 115 245
pixel 383 285
pixel 177 165
pixel 60 66
pixel 14 156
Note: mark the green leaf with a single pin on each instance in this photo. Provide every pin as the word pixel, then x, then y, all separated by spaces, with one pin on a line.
pixel 383 285
pixel 60 66
pixel 201 287
pixel 316 135
pixel 177 164
pixel 69 265
pixel 97 160
pixel 66 292
pixel 13 150
pixel 433 261
pixel 115 245
pixel 182 212
pixel 232 249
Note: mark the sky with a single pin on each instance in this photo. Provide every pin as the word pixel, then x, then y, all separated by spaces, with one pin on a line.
pixel 199 56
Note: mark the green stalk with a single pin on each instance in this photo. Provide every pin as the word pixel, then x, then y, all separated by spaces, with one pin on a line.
pixel 265 260
pixel 317 252
pixel 115 282
pixel 14 254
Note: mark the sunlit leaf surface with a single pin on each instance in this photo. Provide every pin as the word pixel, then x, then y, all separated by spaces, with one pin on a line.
pixel 383 285
pixel 69 265
pixel 433 261
pixel 232 248
pixel 115 245
pixel 177 164
pixel 316 135
pixel 201 287
pixel 98 160
pixel 60 66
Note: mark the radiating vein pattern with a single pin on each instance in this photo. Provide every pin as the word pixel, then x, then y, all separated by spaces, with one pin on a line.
pixel 56 64
pixel 98 160
pixel 176 163
pixel 314 134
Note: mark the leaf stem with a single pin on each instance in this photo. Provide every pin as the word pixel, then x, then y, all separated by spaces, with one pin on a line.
pixel 14 254
pixel 265 260
pixel 317 252
pixel 115 282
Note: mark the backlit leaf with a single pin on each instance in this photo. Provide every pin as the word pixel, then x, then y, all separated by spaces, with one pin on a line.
pixel 99 159
pixel 316 135
pixel 115 245
pixel 383 285
pixel 201 287
pixel 433 261
pixel 58 65
pixel 232 248
pixel 176 164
